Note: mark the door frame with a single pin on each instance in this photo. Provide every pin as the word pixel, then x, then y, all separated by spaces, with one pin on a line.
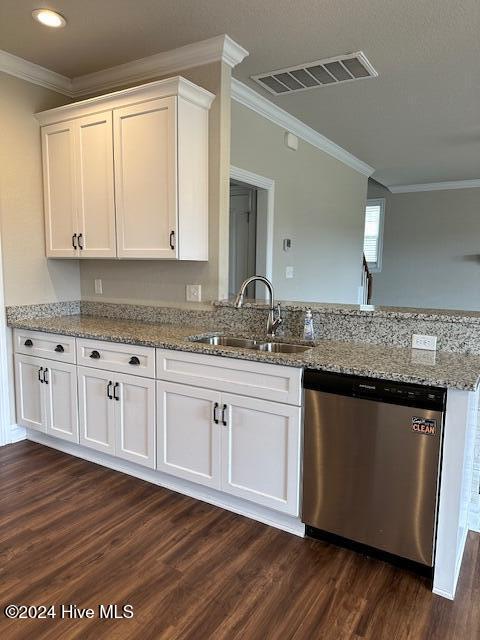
pixel 268 186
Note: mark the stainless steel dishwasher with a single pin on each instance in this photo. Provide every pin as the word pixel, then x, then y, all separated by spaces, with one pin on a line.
pixel 372 452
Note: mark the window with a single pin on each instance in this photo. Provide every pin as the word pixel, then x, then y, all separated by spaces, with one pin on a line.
pixel 373 236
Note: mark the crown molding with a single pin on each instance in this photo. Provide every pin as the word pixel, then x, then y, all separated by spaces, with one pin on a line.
pixel 220 48
pixel 435 186
pixel 34 73
pixel 246 96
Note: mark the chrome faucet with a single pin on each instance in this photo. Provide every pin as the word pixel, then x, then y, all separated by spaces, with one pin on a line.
pixel 272 322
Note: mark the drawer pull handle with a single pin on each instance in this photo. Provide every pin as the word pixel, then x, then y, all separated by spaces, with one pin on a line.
pixel 109 386
pixel 40 379
pixel 224 421
pixel 172 240
pixel 117 386
pixel 95 355
pixel 45 374
pixel 134 360
pixel 80 241
pixel 59 348
pixel 28 343
pixel 74 241
pixel 215 414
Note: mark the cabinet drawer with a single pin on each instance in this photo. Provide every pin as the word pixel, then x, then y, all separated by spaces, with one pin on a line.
pixel 122 358
pixel 44 345
pixel 254 379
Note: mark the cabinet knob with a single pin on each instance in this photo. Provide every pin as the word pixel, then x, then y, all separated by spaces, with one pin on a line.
pixel 95 355
pixel 59 348
pixel 28 343
pixel 134 360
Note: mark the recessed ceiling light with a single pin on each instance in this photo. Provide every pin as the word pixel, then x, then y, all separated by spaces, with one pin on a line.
pixel 49 18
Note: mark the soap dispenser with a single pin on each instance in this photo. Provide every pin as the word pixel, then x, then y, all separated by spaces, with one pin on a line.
pixel 308 333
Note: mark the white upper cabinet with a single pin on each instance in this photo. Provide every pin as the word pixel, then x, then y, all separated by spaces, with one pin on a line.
pixel 126 174
pixel 95 187
pixel 146 178
pixel 58 151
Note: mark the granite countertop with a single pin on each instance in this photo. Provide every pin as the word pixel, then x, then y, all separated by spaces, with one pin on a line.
pixel 442 369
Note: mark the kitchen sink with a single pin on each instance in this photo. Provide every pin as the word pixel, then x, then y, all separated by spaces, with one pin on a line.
pixel 282 347
pixel 256 345
pixel 225 341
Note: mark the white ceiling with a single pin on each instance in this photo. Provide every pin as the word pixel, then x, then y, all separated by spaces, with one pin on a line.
pixel 418 122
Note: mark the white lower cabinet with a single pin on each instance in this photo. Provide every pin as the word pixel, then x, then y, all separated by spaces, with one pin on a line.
pixel 96 409
pixel 261 452
pixel 188 437
pixel 60 390
pixel 243 446
pixel 46 396
pixel 29 393
pixel 247 447
pixel 134 403
pixel 117 414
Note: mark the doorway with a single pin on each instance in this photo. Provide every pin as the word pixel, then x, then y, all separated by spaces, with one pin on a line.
pixel 243 237
pixel 251 231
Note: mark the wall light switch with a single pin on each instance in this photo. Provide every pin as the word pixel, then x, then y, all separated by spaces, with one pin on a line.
pixel 194 292
pixel 288 272
pixel 98 286
pixel 420 341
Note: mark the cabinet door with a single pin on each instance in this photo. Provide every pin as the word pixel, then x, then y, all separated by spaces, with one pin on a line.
pixel 94 180
pixel 59 188
pixel 261 451
pixel 61 400
pixel 135 419
pixel 145 151
pixel 188 437
pixel 96 409
pixel 29 392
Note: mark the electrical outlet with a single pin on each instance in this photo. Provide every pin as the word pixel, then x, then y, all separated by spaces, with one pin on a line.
pixel 194 292
pixel 420 341
pixel 288 272
pixel 98 286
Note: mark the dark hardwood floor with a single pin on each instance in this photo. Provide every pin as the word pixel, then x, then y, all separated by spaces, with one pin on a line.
pixel 74 532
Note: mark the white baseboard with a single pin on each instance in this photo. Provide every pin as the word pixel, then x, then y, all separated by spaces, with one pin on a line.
pixel 17 433
pixel 443 594
pixel 217 498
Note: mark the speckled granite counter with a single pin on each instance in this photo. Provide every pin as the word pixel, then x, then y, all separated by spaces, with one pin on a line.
pixel 400 364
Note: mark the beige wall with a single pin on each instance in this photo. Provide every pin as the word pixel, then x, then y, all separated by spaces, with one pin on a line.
pixel 431 249
pixel 164 281
pixel 319 204
pixel 29 277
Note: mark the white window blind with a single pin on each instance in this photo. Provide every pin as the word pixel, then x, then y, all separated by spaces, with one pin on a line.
pixel 373 237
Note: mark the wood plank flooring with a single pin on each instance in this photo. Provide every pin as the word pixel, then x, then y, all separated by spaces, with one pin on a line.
pixel 75 532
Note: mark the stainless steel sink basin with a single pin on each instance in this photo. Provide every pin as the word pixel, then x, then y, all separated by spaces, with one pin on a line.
pixel 225 341
pixel 282 347
pixel 258 345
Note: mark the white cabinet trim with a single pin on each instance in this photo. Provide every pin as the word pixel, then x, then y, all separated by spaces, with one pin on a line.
pixel 249 378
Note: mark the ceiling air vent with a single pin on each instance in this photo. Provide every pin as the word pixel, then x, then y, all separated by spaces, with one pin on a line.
pixel 351 66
